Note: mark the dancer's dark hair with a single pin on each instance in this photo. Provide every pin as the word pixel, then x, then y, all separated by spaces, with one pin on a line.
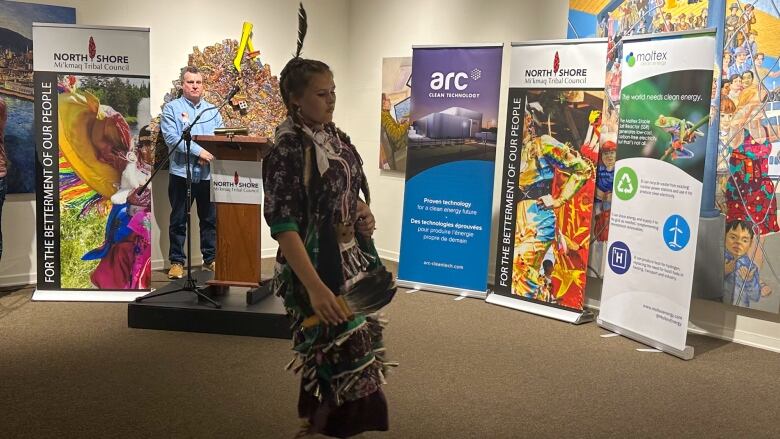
pixel 297 73
pixel 295 78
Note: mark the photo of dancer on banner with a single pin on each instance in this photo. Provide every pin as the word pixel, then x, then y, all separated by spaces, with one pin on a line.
pixel 556 186
pixel 104 157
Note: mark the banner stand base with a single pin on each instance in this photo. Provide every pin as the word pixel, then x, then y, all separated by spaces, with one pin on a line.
pixel 440 289
pixel 685 354
pixel 87 295
pixel 573 317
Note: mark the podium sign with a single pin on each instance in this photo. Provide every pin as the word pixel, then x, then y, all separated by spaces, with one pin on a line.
pixel 234 181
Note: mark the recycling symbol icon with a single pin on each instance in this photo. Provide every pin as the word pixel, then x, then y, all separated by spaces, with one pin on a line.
pixel 626 183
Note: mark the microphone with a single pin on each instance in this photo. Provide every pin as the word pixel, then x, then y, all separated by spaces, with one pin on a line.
pixel 233 92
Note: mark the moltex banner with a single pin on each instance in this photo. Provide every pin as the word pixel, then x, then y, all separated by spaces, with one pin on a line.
pixel 551 157
pixel 662 138
pixel 445 235
pixel 91 104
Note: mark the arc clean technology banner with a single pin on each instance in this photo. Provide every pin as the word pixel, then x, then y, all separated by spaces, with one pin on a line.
pixel 551 156
pixel 449 172
pixel 664 112
pixel 91 101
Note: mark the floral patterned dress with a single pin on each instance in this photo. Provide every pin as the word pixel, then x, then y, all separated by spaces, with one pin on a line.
pixel 750 192
pixel 312 183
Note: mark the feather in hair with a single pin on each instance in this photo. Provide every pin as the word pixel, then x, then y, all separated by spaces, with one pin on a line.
pixel 302 27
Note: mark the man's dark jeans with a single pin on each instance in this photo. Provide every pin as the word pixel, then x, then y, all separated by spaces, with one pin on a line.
pixel 207 213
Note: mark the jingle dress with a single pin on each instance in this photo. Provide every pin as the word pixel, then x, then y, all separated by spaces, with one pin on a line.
pixel 312 183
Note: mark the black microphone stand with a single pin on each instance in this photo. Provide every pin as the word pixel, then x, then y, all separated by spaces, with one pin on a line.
pixel 189 282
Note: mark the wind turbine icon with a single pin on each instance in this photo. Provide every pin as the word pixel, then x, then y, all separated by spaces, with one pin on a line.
pixel 677 232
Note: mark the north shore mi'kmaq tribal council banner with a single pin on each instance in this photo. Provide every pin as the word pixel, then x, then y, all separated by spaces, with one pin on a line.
pixel 91 101
pixel 551 163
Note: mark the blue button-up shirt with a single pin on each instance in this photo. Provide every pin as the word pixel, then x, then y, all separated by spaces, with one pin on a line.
pixel 176 115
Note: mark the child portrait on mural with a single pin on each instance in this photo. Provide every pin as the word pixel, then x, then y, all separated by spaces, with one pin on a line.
pixel 741 284
pixel 552 209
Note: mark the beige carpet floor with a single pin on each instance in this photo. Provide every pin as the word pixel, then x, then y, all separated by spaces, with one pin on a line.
pixel 468 370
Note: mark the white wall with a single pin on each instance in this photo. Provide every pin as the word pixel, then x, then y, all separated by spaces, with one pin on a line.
pixel 352 36
pixel 202 23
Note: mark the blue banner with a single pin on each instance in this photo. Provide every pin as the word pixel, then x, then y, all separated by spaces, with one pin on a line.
pixel 445 235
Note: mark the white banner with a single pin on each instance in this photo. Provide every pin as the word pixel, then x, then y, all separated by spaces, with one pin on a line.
pixel 662 139
pixel 91 101
pixel 234 181
pixel 91 50
pixel 572 65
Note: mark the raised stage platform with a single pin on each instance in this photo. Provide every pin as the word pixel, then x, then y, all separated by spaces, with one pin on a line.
pixel 182 311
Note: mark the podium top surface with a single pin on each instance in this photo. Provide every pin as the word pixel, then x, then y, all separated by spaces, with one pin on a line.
pixel 235 147
pixel 210 138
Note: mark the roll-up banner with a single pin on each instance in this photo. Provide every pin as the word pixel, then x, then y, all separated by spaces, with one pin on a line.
pixel 445 236
pixel 662 138
pixel 551 150
pixel 91 101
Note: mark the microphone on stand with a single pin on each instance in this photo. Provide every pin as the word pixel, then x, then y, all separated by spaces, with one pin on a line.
pixel 233 92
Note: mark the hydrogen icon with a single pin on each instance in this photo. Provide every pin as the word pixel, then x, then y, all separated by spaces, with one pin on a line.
pixel 619 257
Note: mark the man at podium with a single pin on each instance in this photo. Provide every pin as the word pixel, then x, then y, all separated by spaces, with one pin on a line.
pixel 176 116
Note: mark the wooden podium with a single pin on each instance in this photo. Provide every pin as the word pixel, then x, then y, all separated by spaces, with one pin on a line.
pixel 238 225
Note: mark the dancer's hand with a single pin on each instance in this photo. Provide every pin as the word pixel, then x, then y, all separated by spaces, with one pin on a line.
pixel 548 202
pixel 366 223
pixel 325 305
